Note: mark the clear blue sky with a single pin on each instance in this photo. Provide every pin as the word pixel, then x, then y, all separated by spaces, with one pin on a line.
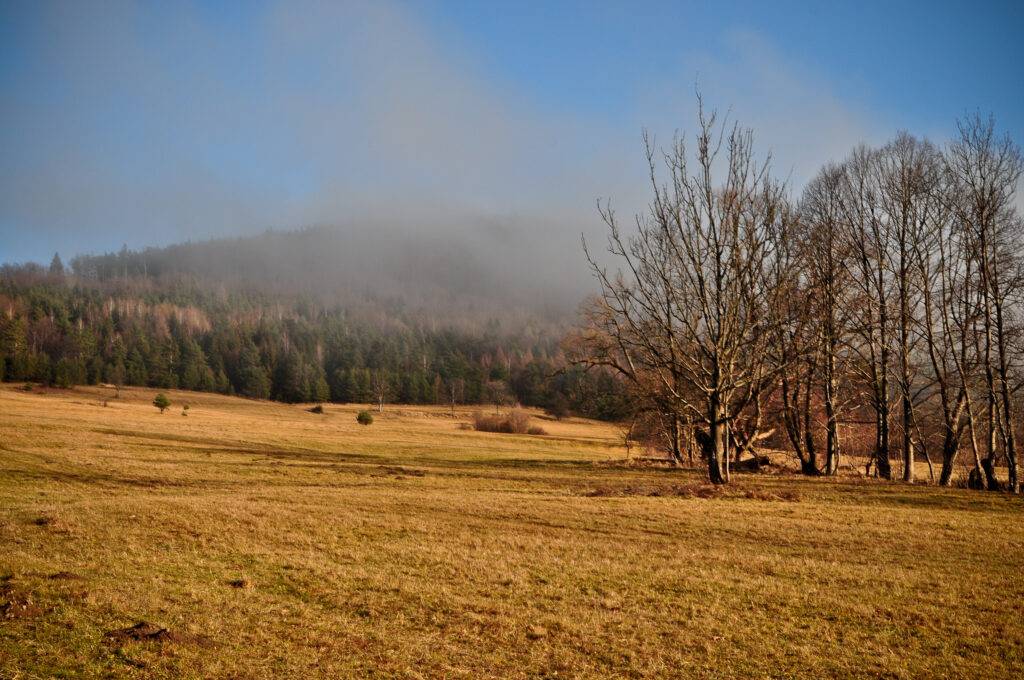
pixel 147 123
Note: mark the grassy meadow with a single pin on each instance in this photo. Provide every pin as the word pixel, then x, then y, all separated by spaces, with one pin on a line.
pixel 259 540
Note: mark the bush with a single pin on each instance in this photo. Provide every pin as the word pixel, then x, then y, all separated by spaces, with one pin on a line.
pixel 515 422
pixel 319 408
pixel 535 429
pixel 161 402
pixel 364 418
pixel 558 407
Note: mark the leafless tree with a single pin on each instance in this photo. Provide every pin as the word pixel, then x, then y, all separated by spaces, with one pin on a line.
pixel 985 170
pixel 948 314
pixel 870 241
pixel 692 308
pixel 794 340
pixel 496 392
pixel 380 386
pixel 910 179
pixel 895 288
pixel 456 392
pixel 826 263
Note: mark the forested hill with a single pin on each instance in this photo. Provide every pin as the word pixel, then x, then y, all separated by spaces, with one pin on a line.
pixel 268 317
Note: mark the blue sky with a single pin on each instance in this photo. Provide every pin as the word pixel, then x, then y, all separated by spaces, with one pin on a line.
pixel 149 123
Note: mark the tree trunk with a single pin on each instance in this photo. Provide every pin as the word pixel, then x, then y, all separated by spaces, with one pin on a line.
pixel 988 464
pixel 977 479
pixel 882 440
pixel 1009 439
pixel 831 421
pixel 950 447
pixel 716 443
pixel 673 435
pixel 908 440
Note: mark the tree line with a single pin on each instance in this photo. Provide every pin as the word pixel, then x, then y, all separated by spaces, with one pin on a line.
pixel 875 317
pixel 63 329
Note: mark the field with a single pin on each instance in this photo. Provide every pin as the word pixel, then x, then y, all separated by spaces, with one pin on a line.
pixel 260 540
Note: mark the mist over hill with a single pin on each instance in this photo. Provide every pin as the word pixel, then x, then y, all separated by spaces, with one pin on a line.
pixel 448 276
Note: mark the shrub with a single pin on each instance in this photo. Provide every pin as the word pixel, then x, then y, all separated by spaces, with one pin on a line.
pixel 364 418
pixel 514 422
pixel 558 407
pixel 535 429
pixel 161 402
pixel 319 408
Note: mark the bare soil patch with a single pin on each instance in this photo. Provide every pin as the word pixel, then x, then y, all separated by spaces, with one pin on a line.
pixel 688 491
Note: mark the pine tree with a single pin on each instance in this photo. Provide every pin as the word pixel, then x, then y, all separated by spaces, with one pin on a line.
pixel 137 373
pixel 254 380
pixel 161 402
pixel 290 379
pixel 63 373
pixel 56 266
pixel 321 391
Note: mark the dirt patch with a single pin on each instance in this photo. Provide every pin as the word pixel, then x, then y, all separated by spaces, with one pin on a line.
pixel 657 490
pixel 399 471
pixel 53 523
pixel 143 631
pixel 150 633
pixel 790 496
pixel 688 491
pixel 634 462
pixel 65 576
pixel 15 604
pixel 240 583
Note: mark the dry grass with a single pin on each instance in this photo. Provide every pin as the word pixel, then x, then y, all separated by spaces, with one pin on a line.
pixel 259 540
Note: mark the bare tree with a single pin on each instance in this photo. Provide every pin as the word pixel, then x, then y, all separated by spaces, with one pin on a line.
pixel 870 272
pixel 910 174
pixel 985 170
pixel 380 387
pixel 945 272
pixel 692 309
pixel 497 393
pixel 456 391
pixel 826 262
pixel 794 342
pixel 895 288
